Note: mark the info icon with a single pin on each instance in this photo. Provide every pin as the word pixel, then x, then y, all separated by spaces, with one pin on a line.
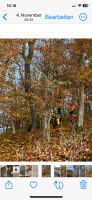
pixel 58 185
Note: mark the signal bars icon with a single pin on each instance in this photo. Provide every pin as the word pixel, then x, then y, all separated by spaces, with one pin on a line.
pixel 74 6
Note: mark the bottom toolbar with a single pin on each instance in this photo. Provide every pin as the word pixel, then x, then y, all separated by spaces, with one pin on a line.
pixel 46 188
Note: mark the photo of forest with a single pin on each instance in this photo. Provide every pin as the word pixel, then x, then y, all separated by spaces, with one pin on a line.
pixel 45 99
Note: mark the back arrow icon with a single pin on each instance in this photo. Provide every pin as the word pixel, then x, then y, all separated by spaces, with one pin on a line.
pixel 4 16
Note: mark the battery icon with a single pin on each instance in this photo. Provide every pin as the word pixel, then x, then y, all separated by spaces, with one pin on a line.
pixel 85 5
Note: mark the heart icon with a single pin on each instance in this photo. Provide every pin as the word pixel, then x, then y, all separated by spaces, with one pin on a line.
pixel 33 184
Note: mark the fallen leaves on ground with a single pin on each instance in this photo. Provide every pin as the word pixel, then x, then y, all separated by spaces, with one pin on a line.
pixel 64 145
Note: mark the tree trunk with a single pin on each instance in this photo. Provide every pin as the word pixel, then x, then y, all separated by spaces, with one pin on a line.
pixel 46 116
pixel 47 125
pixel 28 59
pixel 34 118
pixel 81 108
pixel 13 127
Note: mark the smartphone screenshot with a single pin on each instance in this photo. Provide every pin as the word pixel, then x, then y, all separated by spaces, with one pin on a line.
pixel 45 100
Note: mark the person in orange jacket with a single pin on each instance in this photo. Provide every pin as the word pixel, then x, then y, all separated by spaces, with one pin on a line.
pixel 74 112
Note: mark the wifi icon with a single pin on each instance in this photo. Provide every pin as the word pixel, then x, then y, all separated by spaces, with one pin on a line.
pixel 79 5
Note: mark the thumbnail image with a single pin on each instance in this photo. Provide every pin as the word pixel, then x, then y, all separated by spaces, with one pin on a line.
pixel 60 171
pixel 88 170
pixel 22 171
pixel 34 171
pixel 75 171
pixel 45 102
pixel 16 171
pixel 57 172
pixel 3 171
pixel 31 171
pixel 82 170
pixel 46 171
pixel 69 170
pixel 63 171
pixel 9 171
pixel 28 172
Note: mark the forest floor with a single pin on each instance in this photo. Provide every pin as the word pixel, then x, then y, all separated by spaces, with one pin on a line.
pixel 63 145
